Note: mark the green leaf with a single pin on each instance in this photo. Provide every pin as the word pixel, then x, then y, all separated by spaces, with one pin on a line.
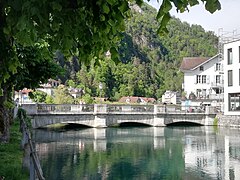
pixel 1 91
pixel 111 22
pixel 193 2
pixel 212 5
pixel 180 5
pixel 164 8
pixel 102 17
pixel 105 8
pixel 167 6
pixel 114 54
pixel 124 7
pixel 111 2
pixel 163 23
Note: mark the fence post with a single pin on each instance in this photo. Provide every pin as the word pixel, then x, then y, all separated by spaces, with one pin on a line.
pixel 32 170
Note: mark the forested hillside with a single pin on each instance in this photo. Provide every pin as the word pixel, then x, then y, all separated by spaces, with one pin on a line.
pixel 149 63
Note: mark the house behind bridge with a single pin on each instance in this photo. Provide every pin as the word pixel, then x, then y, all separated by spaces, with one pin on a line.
pixel 136 100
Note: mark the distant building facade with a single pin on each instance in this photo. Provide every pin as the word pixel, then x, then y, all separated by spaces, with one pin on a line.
pixel 22 96
pixel 171 97
pixel 49 86
pixel 203 77
pixel 232 76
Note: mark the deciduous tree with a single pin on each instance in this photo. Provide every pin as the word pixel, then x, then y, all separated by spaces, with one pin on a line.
pixel 83 28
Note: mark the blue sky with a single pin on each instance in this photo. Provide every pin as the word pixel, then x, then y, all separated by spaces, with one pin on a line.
pixel 228 18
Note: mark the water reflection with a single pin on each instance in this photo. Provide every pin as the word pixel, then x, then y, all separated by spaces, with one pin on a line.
pixel 140 153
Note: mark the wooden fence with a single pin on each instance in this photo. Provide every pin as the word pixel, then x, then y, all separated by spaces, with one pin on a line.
pixel 35 167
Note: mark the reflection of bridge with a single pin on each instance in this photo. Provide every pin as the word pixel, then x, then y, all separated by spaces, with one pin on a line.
pixel 100 137
pixel 103 115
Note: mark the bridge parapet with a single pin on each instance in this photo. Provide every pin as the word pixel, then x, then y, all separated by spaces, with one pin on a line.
pixel 114 109
pixel 126 109
pixel 62 108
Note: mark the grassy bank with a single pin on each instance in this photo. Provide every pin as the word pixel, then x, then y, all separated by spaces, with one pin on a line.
pixel 11 156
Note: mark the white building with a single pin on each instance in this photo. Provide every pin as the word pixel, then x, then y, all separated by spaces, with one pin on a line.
pixel 203 77
pixel 171 97
pixel 49 86
pixel 232 76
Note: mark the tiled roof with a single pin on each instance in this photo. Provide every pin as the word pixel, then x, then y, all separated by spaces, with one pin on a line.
pixel 135 99
pixel 189 63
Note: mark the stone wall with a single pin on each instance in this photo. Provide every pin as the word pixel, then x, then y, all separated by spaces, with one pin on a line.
pixel 228 121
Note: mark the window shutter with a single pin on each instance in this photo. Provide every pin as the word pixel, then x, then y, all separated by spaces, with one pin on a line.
pixel 208 79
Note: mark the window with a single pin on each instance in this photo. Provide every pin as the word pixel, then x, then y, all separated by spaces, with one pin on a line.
pixel 239 53
pixel 201 68
pixel 229 56
pixel 218 78
pixel 234 102
pixel 218 66
pixel 198 79
pixel 230 78
pixel 239 77
pixel 198 93
pixel 204 92
pixel 204 79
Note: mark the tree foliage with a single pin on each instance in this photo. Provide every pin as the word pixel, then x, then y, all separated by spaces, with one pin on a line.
pixel 39 96
pixel 82 28
pixel 62 96
pixel 149 63
pixel 182 5
pixel 86 29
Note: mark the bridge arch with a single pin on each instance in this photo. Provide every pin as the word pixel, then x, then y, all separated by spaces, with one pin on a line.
pixel 184 123
pixel 133 124
pixel 65 126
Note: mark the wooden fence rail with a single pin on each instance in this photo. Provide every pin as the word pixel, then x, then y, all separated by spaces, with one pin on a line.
pixel 34 161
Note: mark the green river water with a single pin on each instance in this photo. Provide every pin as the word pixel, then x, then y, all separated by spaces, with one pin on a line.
pixel 167 153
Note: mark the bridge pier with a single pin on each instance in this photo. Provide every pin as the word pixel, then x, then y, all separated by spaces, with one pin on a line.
pixel 100 115
pixel 158 120
pixel 209 117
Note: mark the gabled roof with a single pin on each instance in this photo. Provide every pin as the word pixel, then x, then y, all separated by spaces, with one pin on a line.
pixel 191 63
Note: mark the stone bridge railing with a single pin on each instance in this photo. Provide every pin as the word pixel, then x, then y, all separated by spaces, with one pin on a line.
pixel 115 109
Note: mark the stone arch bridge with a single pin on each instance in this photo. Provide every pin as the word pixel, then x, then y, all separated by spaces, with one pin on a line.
pixel 106 115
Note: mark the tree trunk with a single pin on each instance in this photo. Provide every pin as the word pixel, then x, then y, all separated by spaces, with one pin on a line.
pixel 6 98
pixel 5 114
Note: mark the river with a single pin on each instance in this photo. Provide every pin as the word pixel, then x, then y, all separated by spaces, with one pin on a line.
pixel 188 153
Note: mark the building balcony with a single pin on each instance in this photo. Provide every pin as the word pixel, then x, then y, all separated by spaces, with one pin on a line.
pixel 217 84
pixel 216 96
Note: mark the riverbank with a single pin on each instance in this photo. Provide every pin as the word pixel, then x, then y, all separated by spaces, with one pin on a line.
pixel 11 156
